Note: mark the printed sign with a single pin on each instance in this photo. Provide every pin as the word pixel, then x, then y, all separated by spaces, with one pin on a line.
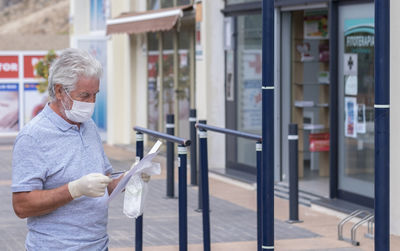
pixel 319 142
pixel 34 101
pixel 350 64
pixel 9 67
pixel 350 117
pixel 351 85
pixel 315 24
pixel 361 123
pixel 29 65
pixel 9 109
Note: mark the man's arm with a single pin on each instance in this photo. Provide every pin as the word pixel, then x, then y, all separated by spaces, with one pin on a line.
pixel 40 202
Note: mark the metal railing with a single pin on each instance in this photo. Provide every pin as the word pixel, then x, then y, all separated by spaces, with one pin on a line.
pixel 204 186
pixel 182 155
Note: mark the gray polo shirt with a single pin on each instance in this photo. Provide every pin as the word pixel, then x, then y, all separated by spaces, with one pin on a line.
pixel 48 153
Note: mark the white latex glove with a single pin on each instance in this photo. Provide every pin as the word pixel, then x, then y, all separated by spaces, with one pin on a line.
pixel 91 185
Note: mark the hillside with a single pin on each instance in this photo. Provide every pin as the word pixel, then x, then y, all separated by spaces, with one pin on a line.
pixel 35 17
pixel 34 24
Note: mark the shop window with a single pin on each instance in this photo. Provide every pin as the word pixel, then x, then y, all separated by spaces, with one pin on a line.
pixel 152 74
pixel 356 106
pixel 228 2
pixel 97 15
pixel 158 4
pixel 249 74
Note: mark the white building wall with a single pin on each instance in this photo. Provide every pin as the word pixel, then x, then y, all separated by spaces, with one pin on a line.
pixel 394 117
pixel 139 77
pixel 79 17
pixel 210 85
pixel 119 120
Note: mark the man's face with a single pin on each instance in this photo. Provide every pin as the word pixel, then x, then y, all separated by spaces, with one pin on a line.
pixel 85 90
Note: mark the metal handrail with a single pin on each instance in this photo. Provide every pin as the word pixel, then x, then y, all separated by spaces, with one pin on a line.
pixel 230 132
pixel 182 141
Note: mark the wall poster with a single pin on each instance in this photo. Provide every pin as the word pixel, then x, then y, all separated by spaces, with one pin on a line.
pixel 9 107
pixel 34 101
pixel 316 24
pixel 350 117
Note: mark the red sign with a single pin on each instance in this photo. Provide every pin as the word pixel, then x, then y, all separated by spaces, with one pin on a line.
pixel 319 142
pixel 9 66
pixel 29 65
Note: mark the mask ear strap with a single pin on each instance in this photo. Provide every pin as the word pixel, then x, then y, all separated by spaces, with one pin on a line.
pixel 67 94
pixel 68 97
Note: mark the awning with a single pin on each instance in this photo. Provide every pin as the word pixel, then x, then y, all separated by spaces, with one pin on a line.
pixel 149 21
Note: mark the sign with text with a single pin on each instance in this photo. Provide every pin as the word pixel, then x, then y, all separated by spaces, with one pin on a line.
pixel 9 67
pixel 29 65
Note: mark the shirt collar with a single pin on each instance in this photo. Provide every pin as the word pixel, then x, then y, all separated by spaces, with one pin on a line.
pixel 56 119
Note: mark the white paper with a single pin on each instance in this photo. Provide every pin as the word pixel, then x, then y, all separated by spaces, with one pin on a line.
pixel 351 86
pixel 361 123
pixel 136 169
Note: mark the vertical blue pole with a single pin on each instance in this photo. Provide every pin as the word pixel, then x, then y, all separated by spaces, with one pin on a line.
pixel 259 200
pixel 333 98
pixel 204 187
pixel 182 154
pixel 268 124
pixel 193 148
pixel 200 196
pixel 293 138
pixel 382 111
pixel 170 125
pixel 139 220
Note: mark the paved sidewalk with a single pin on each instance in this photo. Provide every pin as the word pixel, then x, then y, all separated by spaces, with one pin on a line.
pixel 233 217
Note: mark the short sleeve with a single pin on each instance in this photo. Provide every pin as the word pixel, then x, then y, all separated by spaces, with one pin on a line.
pixel 28 165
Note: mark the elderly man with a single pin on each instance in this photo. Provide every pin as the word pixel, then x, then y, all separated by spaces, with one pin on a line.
pixel 60 179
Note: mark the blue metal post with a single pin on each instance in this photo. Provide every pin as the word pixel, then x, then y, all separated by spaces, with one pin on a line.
pixel 200 197
pixel 204 188
pixel 333 98
pixel 259 200
pixel 268 124
pixel 193 148
pixel 183 242
pixel 382 130
pixel 139 220
pixel 170 125
pixel 293 138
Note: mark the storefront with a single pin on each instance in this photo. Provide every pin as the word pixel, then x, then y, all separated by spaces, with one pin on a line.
pixel 168 29
pixel 324 82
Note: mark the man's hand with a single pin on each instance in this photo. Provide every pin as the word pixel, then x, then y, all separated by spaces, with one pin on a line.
pixel 91 185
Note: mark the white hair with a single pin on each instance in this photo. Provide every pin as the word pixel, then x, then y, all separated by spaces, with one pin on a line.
pixel 71 65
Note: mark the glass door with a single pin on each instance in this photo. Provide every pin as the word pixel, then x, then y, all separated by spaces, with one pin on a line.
pixel 356 99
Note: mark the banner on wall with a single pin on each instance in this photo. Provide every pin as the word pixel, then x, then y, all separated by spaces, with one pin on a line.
pixel 9 108
pixel 250 91
pixel 9 67
pixel 34 101
pixel 29 65
pixel 98 49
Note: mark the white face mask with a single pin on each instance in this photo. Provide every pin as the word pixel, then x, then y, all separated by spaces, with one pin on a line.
pixel 80 111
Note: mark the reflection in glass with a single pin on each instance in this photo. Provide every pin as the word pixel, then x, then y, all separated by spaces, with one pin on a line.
pixel 359 99
pixel 249 74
